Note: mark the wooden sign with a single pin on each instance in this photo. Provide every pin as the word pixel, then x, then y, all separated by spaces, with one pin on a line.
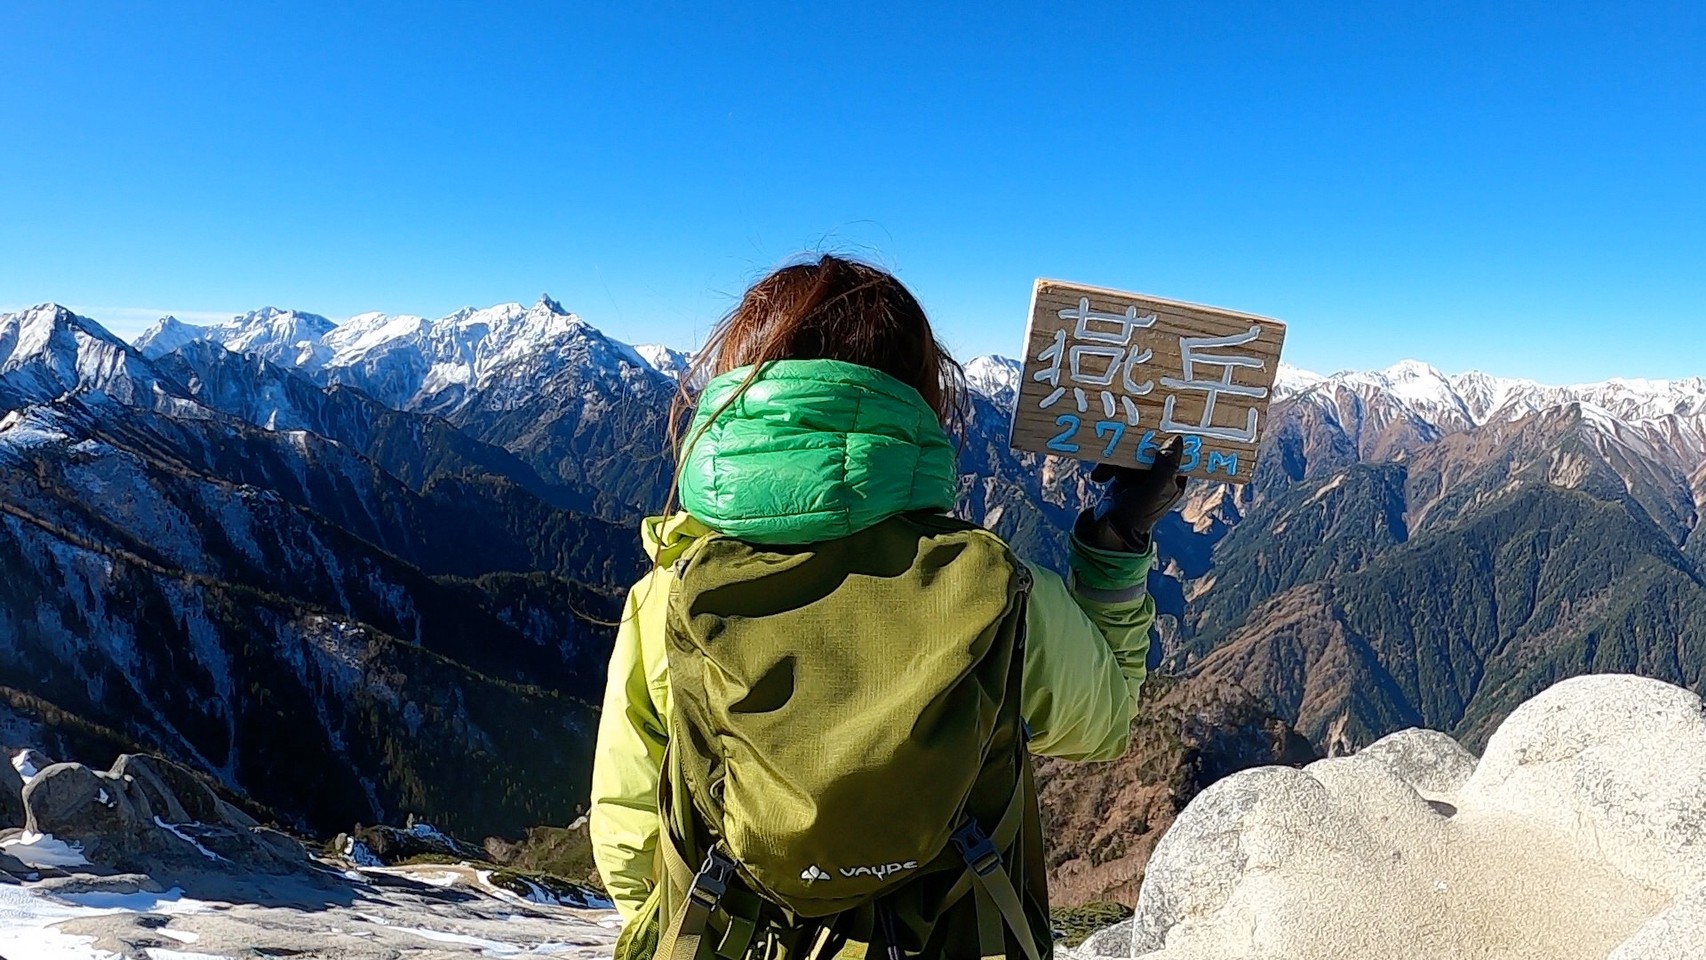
pixel 1111 376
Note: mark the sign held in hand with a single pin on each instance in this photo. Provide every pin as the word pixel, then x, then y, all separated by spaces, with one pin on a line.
pixel 1111 376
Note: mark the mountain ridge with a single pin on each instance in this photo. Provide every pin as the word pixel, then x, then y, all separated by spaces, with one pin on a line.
pixel 1476 397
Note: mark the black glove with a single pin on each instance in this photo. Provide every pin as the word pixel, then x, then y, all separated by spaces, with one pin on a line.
pixel 1132 503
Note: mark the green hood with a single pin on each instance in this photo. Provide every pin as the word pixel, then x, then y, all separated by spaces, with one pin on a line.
pixel 813 450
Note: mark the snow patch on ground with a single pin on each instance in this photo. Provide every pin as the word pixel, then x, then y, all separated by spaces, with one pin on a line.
pixel 27 919
pixel 394 919
pixel 43 850
pixel 1331 485
pixel 50 944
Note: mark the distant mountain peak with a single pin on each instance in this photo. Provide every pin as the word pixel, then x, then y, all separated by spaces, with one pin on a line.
pixel 48 351
pixel 278 334
pixel 668 361
pixel 548 304
pixel 1293 378
pixel 44 313
pixel 32 329
pixel 168 334
pixel 993 375
pixel 293 320
pixel 1413 370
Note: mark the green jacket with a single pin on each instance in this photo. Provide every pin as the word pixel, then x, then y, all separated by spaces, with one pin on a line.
pixel 815 450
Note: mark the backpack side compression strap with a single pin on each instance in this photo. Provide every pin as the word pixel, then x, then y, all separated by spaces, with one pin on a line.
pixel 997 901
pixel 705 889
pixel 998 905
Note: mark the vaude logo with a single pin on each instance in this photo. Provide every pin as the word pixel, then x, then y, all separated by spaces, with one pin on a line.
pixel 881 871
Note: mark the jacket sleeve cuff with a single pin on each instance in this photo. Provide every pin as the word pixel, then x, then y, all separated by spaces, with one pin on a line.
pixel 1110 573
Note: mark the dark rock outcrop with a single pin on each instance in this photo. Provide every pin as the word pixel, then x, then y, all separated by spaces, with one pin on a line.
pixel 147 815
pixel 11 793
pixel 175 794
pixel 12 869
pixel 415 841
pixel 74 803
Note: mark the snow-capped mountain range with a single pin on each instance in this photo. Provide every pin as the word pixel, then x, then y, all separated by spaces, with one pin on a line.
pixel 410 362
pixel 501 371
pixel 506 373
pixel 1465 400
pixel 1477 398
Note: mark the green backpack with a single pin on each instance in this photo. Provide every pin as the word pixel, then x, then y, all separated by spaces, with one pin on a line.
pixel 846 757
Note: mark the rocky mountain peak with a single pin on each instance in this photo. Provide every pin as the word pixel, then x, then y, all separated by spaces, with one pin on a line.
pixel 1290 380
pixel 670 362
pixel 994 376
pixel 48 351
pixel 278 335
pixel 1106 818
pixel 282 336
pixel 1412 370
pixel 167 334
pixel 44 327
pixel 375 331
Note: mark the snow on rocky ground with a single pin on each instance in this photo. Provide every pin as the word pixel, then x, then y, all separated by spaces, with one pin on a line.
pixel 29 919
pixel 144 862
pixel 415 912
pixel 1581 833
pixel 42 850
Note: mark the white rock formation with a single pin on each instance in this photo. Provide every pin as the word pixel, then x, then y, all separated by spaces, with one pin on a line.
pixel 1580 834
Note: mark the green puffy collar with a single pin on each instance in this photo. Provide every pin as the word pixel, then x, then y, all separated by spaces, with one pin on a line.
pixel 813 450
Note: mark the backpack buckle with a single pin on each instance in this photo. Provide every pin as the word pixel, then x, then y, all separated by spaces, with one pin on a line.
pixel 712 880
pixel 977 849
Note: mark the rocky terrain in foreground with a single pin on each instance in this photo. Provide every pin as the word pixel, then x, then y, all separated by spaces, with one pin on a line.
pixel 1580 834
pixel 145 862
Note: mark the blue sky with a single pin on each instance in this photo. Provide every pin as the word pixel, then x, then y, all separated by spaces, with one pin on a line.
pixel 1519 187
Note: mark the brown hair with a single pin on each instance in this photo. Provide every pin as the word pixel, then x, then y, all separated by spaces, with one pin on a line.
pixel 832 308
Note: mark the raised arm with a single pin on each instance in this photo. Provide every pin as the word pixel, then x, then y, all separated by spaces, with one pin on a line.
pixel 1088 642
